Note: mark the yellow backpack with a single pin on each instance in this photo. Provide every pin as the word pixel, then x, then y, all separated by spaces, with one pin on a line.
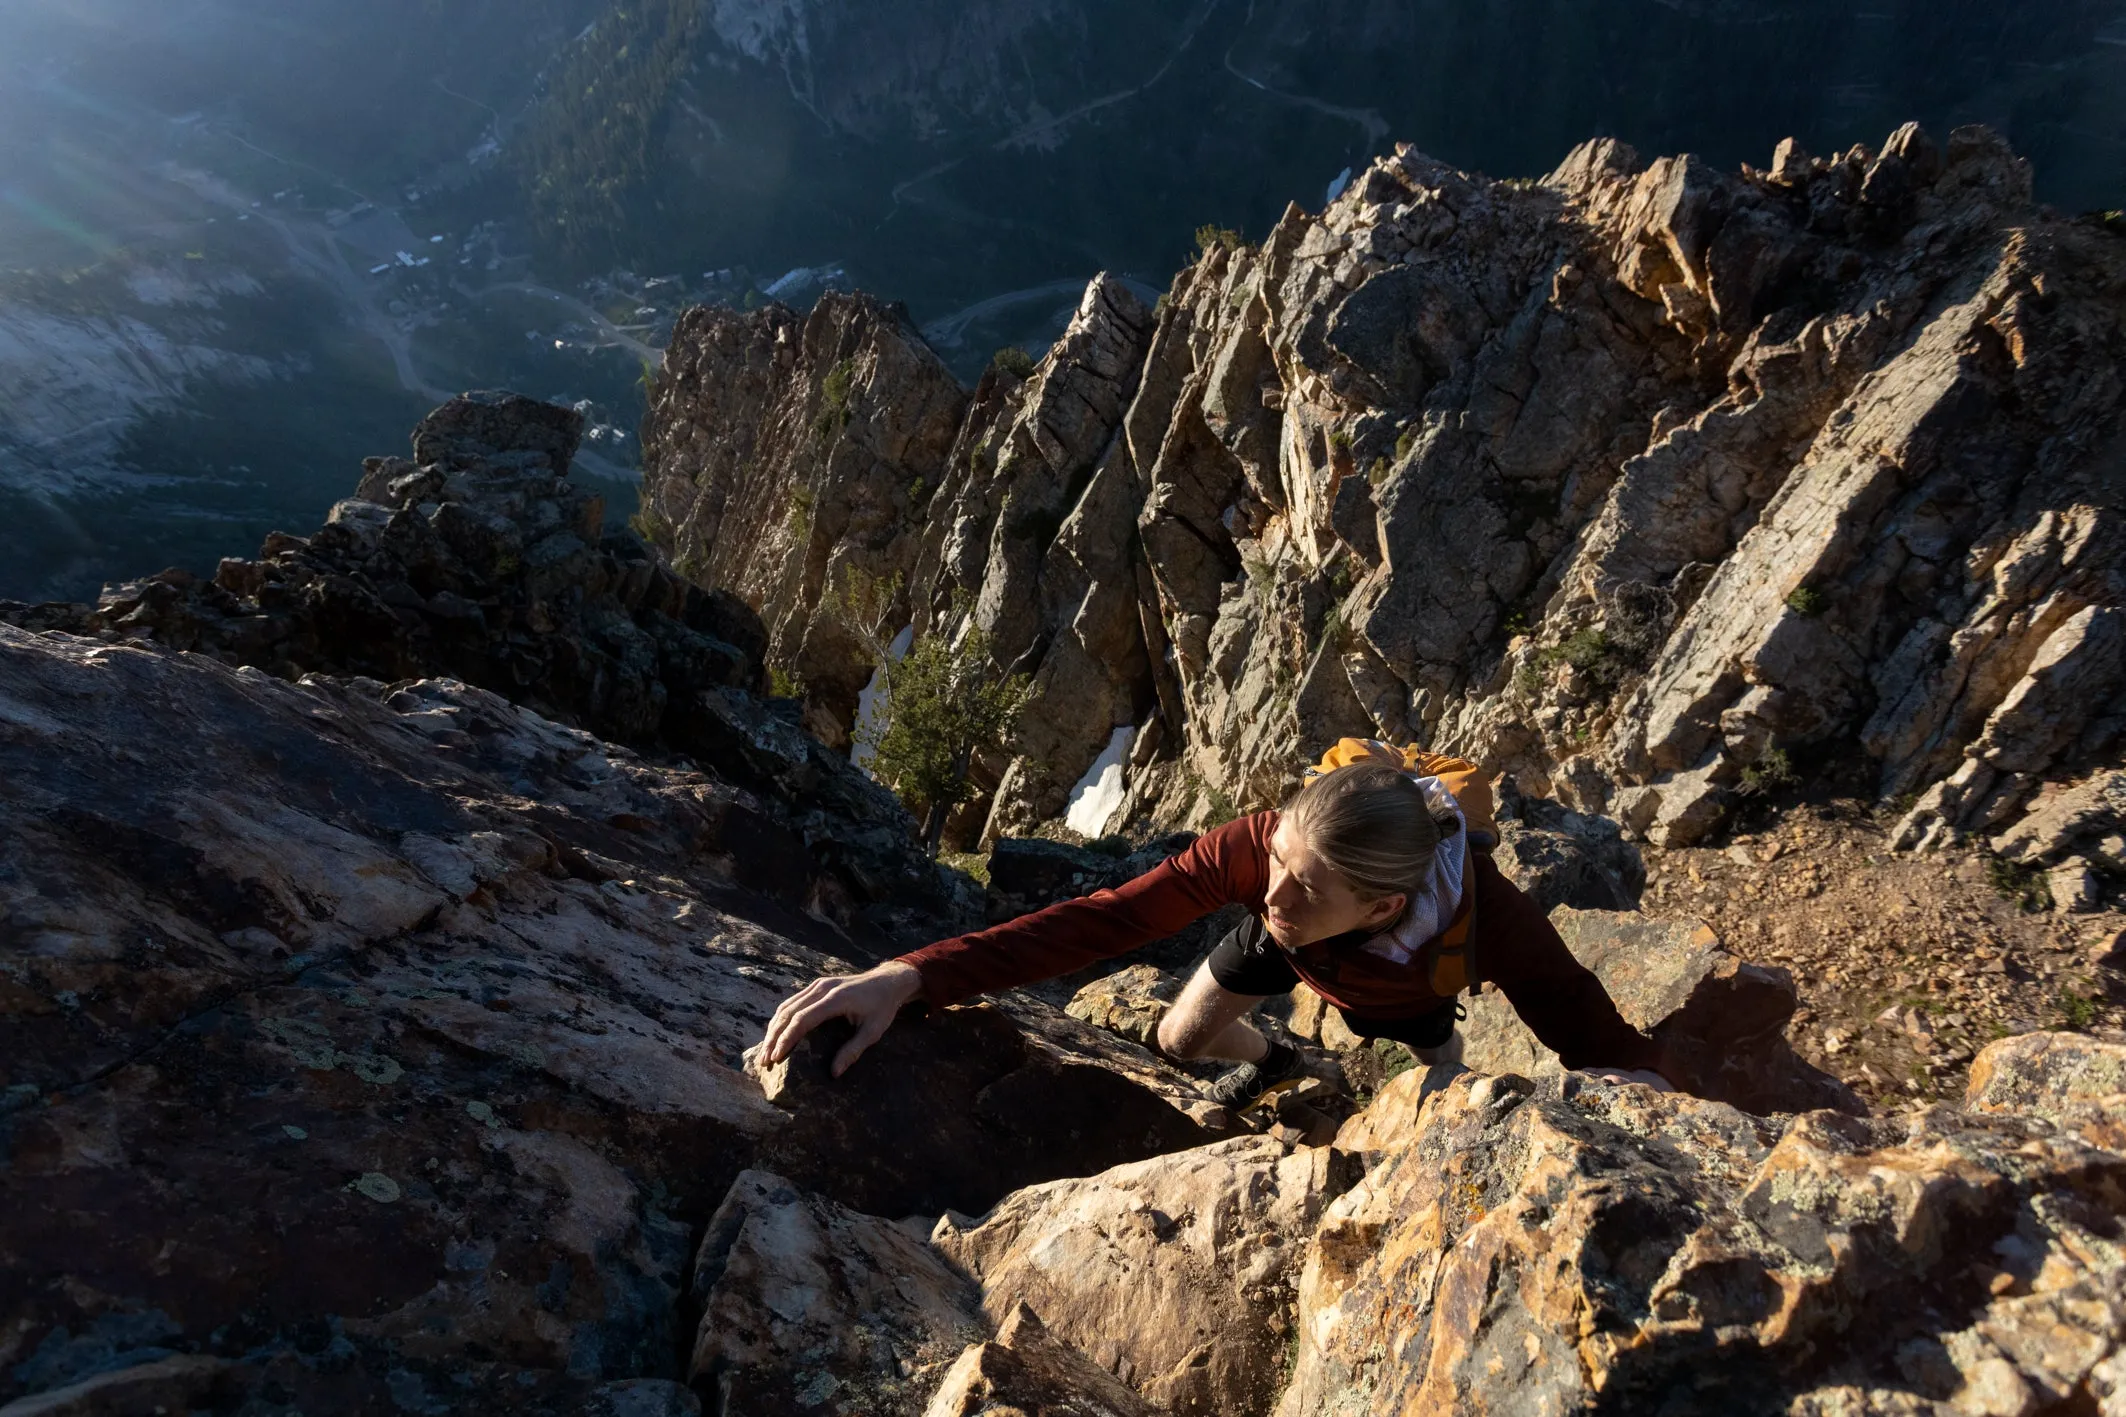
pixel 1449 959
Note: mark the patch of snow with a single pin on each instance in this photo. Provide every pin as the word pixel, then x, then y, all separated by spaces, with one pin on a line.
pixel 800 278
pixel 871 701
pixel 1098 795
pixel 1336 188
pixel 71 389
pixel 165 287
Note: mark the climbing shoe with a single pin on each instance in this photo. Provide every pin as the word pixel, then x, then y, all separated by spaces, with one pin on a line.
pixel 1247 1084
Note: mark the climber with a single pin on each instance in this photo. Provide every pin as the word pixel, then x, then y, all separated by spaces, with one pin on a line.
pixel 1373 886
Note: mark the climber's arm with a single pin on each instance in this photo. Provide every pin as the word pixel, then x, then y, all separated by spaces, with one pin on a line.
pixel 1223 866
pixel 1560 999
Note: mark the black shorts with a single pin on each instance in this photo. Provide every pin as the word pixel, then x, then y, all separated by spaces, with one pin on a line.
pixel 1248 961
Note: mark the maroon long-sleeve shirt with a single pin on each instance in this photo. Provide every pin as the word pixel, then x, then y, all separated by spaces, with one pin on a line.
pixel 1559 999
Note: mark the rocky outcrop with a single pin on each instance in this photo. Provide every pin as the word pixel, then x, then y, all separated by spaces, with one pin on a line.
pixel 2075 1083
pixel 1721 1022
pixel 1491 1243
pixel 478 561
pixel 381 1047
pixel 2076 833
pixel 1584 1249
pixel 1557 856
pixel 372 1046
pixel 955 1109
pixel 475 559
pixel 1633 481
pixel 1130 1002
pixel 789 455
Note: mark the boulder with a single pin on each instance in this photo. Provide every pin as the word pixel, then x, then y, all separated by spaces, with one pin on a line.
pixel 474 428
pixel 1026 873
pixel 1028 1370
pixel 480 562
pixel 808 1306
pixel 1722 1021
pixel 1128 1003
pixel 1569 1247
pixel 2070 1079
pixel 1561 857
pixel 2066 820
pixel 1173 1273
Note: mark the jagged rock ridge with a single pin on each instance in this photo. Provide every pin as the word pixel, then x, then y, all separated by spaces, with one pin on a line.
pixel 1623 481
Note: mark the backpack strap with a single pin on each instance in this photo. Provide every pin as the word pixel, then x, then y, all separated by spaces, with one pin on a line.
pixel 1451 967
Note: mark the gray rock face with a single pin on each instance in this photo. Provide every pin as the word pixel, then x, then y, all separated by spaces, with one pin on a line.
pixel 1561 857
pixel 2072 825
pixel 1621 481
pixel 785 456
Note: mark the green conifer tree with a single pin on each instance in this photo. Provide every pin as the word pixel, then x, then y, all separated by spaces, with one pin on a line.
pixel 944 701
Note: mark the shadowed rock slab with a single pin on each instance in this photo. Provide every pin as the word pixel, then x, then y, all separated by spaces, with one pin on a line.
pixel 371 1041
pixel 359 1040
pixel 952 1109
pixel 1723 1021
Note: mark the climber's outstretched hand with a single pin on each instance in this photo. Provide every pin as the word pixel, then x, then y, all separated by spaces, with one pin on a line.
pixel 870 1000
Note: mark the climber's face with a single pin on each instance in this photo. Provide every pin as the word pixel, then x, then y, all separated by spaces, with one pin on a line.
pixel 1309 901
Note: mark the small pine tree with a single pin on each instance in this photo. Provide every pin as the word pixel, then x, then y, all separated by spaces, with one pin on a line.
pixel 1014 361
pixel 943 703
